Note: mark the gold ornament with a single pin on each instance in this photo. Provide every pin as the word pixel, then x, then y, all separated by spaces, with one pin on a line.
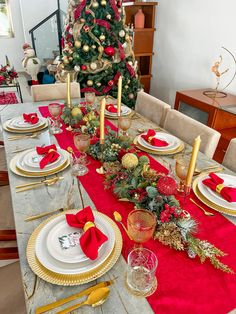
pixel 85 48
pixel 102 37
pixel 108 16
pixel 122 33
pixel 169 234
pixel 100 49
pixel 66 61
pixel 93 66
pixel 75 112
pixel 90 83
pixel 98 84
pixel 126 86
pixel 95 5
pixel 93 46
pixel 127 37
pixel 129 161
pixel 103 3
pixel 70 58
pixel 77 43
pixel 82 20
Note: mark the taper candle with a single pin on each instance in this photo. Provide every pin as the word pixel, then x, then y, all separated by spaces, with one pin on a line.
pixel 102 120
pixel 193 160
pixel 119 96
pixel 68 91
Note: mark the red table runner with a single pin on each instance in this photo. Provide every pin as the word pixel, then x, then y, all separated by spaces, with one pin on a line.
pixel 184 285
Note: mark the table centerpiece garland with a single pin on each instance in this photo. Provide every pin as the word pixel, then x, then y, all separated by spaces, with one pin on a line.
pixel 133 179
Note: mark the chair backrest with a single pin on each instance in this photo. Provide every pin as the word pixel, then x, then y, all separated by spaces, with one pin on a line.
pixel 54 91
pixel 230 156
pixel 188 129
pixel 151 107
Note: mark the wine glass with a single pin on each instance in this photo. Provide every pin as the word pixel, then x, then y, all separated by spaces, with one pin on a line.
pixel 90 98
pixel 124 123
pixel 181 169
pixel 82 142
pixel 55 112
pixel 141 225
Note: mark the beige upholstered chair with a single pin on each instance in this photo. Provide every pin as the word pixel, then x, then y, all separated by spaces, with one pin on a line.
pixel 188 129
pixel 151 107
pixel 230 156
pixel 54 91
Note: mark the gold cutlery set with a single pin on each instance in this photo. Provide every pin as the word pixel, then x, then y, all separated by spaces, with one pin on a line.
pixel 19 137
pixel 33 185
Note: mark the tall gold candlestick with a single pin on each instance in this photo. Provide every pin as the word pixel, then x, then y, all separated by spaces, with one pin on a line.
pixel 68 91
pixel 193 161
pixel 102 121
pixel 119 96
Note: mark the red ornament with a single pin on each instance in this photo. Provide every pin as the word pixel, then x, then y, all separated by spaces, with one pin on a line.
pixel 87 12
pixel 86 28
pixel 83 67
pixel 166 185
pixel 110 51
pixel 111 83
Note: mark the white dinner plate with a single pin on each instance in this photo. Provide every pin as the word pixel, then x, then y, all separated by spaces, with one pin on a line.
pixel 214 197
pixel 62 232
pixel 23 160
pixel 46 259
pixel 173 141
pixel 124 111
pixel 19 124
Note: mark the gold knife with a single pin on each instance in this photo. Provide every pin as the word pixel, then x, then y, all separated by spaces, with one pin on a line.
pixel 44 214
pixel 45 308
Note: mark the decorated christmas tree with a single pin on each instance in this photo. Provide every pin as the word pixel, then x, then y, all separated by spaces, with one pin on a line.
pixel 98 46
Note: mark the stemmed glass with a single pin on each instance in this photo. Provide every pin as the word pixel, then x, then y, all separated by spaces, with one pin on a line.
pixel 141 225
pixel 82 142
pixel 55 112
pixel 181 169
pixel 90 99
pixel 124 123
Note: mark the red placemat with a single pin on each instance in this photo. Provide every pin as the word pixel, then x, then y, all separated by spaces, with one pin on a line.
pixel 7 98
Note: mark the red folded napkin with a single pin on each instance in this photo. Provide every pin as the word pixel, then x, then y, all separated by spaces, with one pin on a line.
pixel 31 118
pixel 150 138
pixel 216 184
pixel 92 238
pixel 111 108
pixel 50 155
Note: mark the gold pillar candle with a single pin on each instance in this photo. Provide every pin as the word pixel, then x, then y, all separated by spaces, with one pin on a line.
pixel 193 160
pixel 102 120
pixel 68 91
pixel 119 96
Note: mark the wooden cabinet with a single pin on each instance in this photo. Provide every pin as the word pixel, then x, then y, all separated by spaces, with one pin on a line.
pixel 143 39
pixel 217 113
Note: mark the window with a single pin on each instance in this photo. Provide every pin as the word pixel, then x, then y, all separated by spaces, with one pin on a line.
pixel 5 20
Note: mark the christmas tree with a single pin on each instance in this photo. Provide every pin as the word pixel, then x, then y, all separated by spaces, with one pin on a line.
pixel 98 46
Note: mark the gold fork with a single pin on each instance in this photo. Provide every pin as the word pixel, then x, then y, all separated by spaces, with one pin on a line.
pixel 33 185
pixel 19 137
pixel 205 211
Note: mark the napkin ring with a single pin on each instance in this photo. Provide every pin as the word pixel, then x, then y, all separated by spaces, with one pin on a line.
pixel 51 150
pixel 150 138
pixel 219 187
pixel 88 225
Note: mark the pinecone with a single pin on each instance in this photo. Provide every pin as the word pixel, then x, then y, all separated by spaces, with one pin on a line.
pixel 169 234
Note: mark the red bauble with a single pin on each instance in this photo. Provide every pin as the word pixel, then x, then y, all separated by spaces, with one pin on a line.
pixel 110 51
pixel 83 67
pixel 166 185
pixel 111 83
pixel 86 28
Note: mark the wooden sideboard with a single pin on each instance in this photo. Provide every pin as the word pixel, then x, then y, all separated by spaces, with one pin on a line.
pixel 143 39
pixel 217 113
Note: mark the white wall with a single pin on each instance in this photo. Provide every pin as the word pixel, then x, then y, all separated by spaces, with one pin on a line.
pixel 188 41
pixel 12 47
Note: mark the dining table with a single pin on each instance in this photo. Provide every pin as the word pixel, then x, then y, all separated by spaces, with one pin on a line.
pixel 171 296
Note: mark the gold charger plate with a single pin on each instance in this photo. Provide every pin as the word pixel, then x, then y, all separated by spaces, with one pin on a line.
pixel 29 130
pixel 29 174
pixel 212 205
pixel 154 152
pixel 78 279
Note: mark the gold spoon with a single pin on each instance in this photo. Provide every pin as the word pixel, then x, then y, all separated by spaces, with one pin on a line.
pixel 95 298
pixel 118 218
pixel 215 168
pixel 30 186
pixel 205 211
pixel 19 137
pixel 45 214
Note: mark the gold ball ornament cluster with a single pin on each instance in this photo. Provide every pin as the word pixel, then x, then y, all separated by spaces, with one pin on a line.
pixel 85 48
pixel 103 3
pixel 90 83
pixel 75 112
pixel 95 5
pixel 129 161
pixel 93 66
pixel 77 43
pixel 102 37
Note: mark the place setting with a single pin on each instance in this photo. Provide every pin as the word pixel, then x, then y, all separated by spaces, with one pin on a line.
pixel 40 161
pixel 159 143
pixel 111 111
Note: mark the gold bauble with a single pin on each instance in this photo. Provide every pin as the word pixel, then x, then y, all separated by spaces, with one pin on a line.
pixel 129 161
pixel 127 37
pixel 100 48
pixel 70 58
pixel 93 66
pixel 90 83
pixel 65 61
pixel 104 3
pixel 85 48
pixel 102 37
pixel 93 46
pixel 95 5
pixel 77 43
pixel 76 111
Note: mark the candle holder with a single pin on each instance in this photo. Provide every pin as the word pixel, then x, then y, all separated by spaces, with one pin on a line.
pixel 101 169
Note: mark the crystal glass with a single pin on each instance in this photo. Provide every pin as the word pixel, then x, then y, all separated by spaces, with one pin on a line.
pixel 55 112
pixel 142 264
pixel 124 123
pixel 90 99
pixel 181 169
pixel 82 142
pixel 141 225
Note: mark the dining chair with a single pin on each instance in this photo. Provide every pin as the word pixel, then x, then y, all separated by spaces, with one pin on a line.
pixel 152 108
pixel 229 160
pixel 54 91
pixel 187 129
